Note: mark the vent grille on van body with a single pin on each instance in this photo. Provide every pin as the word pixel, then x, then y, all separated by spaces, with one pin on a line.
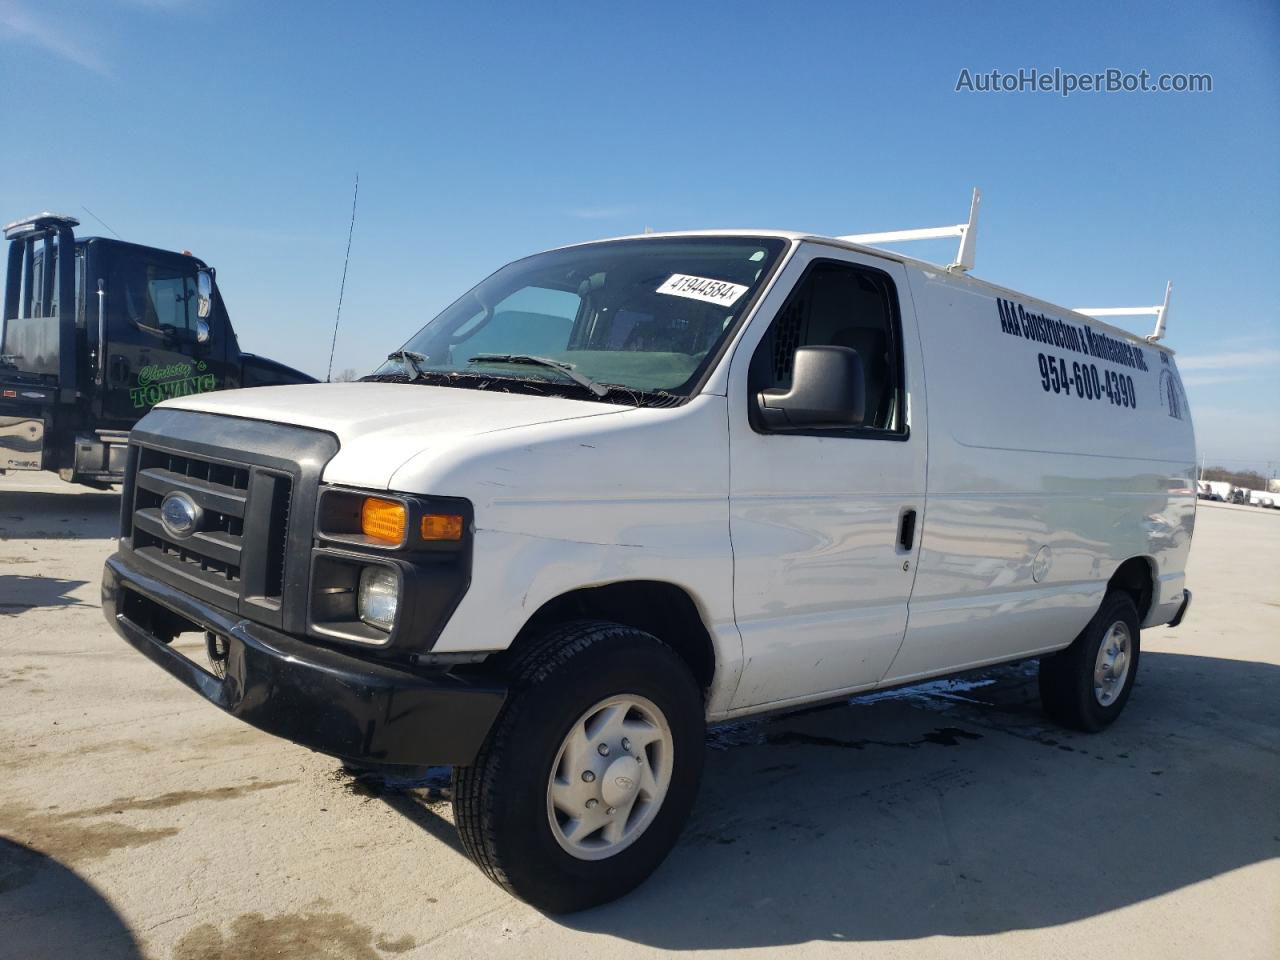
pixel 787 338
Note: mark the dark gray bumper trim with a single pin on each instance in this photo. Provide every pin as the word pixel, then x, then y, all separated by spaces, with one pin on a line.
pixel 324 699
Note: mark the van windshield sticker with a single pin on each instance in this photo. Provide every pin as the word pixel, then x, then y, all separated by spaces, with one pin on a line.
pixel 720 292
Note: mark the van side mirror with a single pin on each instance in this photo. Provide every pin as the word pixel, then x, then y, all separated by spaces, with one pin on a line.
pixel 204 294
pixel 202 330
pixel 828 391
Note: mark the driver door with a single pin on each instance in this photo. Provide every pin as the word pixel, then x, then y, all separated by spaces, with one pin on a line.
pixel 826 523
pixel 153 349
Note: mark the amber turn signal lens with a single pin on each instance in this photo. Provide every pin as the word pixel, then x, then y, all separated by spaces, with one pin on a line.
pixel 436 526
pixel 383 520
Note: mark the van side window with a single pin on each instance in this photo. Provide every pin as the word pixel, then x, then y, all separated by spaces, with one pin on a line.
pixel 844 305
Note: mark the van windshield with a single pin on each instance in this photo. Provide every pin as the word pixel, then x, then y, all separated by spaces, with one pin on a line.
pixel 642 316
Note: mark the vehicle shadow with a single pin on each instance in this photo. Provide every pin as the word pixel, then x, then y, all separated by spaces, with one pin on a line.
pixel 69 514
pixel 955 810
pixel 416 793
pixel 19 593
pixel 48 912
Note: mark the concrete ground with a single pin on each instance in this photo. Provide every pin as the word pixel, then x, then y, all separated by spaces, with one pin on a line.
pixel 950 820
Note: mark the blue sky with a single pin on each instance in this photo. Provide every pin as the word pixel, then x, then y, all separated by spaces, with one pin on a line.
pixel 483 132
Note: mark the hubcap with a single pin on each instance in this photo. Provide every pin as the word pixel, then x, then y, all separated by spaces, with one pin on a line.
pixel 1112 666
pixel 610 777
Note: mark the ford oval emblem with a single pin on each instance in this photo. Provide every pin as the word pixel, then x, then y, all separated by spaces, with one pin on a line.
pixel 180 515
pixel 624 783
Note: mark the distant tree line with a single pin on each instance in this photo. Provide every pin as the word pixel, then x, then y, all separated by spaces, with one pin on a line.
pixel 1237 478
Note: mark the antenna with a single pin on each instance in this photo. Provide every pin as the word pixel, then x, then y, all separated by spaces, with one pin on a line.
pixel 967 232
pixel 100 220
pixel 1160 312
pixel 342 288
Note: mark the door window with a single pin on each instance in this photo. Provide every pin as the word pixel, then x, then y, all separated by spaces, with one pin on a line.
pixel 156 296
pixel 840 304
pixel 171 299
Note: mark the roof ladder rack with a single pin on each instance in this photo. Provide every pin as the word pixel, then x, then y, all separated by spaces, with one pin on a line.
pixel 1160 312
pixel 967 232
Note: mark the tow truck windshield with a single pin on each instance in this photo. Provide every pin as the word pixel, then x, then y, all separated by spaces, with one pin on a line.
pixel 640 317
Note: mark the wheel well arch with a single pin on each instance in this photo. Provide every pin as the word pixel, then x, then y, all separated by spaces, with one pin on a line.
pixel 1137 577
pixel 655 606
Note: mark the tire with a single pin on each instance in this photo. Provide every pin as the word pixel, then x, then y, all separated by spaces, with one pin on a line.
pixel 503 802
pixel 1069 691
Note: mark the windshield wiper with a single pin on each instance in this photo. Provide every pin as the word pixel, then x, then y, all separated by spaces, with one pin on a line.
pixel 412 359
pixel 597 389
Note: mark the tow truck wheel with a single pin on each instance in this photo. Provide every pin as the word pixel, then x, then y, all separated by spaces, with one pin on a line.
pixel 589 773
pixel 1087 685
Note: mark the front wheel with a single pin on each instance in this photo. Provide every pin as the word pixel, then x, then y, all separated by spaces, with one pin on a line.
pixel 589 774
pixel 1087 685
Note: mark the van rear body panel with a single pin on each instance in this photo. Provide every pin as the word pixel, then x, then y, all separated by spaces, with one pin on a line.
pixel 1058 449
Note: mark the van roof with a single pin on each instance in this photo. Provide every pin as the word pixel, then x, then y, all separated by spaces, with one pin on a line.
pixel 961 278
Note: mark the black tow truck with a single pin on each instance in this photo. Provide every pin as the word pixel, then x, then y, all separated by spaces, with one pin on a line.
pixel 95 333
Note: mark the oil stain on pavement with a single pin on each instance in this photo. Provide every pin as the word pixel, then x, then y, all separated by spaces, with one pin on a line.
pixel 67 838
pixel 289 936
pixel 62 838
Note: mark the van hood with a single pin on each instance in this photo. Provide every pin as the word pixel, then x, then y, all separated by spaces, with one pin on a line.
pixel 381 426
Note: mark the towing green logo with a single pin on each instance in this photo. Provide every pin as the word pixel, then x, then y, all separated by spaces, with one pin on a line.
pixel 164 381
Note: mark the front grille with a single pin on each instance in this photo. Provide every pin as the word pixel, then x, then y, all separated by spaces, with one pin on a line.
pixel 243 505
pixel 257 483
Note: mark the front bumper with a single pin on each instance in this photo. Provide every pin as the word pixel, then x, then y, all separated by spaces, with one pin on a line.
pixel 320 698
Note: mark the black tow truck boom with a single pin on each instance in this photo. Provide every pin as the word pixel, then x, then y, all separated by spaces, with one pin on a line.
pixel 95 332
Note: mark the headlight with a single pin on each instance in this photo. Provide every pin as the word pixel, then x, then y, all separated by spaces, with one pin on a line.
pixel 378 596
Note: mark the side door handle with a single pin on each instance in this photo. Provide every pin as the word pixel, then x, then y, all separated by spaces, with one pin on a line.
pixel 907 530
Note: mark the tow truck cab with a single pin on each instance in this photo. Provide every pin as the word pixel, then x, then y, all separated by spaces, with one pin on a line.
pixel 91 341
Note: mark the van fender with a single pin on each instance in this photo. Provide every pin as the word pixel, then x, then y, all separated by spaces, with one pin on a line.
pixel 525 576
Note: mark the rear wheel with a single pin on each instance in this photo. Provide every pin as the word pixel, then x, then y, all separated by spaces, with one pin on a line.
pixel 589 773
pixel 1087 685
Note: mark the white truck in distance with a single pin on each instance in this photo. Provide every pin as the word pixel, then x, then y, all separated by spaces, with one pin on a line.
pixel 1259 498
pixel 624 489
pixel 1218 490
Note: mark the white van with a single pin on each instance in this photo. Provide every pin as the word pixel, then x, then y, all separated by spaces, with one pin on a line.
pixel 621 490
